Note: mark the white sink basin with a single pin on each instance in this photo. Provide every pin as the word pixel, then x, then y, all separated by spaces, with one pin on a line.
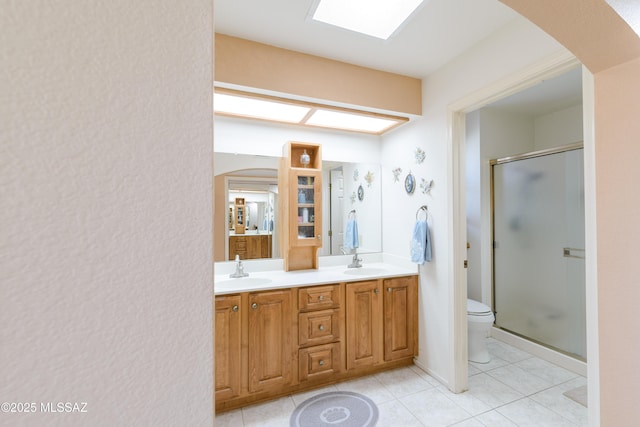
pixel 365 271
pixel 244 281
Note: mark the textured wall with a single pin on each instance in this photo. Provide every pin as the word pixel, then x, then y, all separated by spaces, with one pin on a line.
pixel 105 225
pixel 617 91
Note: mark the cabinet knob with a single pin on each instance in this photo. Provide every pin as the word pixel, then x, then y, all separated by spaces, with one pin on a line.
pixel 321 298
pixel 254 305
pixel 377 291
pixel 389 290
pixel 321 363
pixel 321 327
pixel 235 308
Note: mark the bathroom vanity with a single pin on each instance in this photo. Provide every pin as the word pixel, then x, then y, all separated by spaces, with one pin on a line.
pixel 277 333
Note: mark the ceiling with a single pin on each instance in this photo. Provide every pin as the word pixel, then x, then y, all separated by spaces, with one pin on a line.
pixel 546 97
pixel 437 32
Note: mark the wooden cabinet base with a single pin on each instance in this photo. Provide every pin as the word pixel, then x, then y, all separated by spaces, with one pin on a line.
pixel 274 343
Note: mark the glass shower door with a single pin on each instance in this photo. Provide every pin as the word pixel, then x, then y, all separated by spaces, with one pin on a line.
pixel 539 271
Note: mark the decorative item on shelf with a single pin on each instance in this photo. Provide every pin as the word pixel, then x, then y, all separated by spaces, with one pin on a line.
pixel 409 183
pixel 356 175
pixel 305 159
pixel 301 197
pixel 360 193
pixel 353 197
pixel 396 174
pixel 420 155
pixel 369 178
pixel 426 186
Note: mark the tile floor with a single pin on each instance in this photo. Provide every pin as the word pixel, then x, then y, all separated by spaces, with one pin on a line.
pixel 514 389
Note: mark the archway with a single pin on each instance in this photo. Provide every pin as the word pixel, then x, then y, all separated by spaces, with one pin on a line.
pixel 610 50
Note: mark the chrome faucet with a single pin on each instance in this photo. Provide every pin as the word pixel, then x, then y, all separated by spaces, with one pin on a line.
pixel 239 269
pixel 355 262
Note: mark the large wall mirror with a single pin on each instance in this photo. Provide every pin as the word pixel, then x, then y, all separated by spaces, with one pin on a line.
pixel 350 191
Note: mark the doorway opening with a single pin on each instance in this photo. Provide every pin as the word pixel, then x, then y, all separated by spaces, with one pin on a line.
pixel 547 69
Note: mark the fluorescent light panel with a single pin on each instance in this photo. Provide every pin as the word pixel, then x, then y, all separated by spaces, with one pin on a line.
pixel 258 108
pixel 349 121
pixel 377 18
pixel 251 106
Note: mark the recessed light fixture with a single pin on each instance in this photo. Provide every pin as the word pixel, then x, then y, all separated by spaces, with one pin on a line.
pixel 377 18
pixel 230 102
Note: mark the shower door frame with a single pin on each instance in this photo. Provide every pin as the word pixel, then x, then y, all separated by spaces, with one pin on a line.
pixel 509 159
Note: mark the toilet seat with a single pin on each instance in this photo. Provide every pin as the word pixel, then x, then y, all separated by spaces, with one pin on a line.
pixel 475 308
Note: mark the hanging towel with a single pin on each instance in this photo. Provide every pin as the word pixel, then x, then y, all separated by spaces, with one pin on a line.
pixel 351 235
pixel 420 243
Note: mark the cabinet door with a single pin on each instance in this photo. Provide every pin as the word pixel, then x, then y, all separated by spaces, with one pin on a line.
pixel 400 318
pixel 305 208
pixel 271 350
pixel 254 247
pixel 228 341
pixel 364 328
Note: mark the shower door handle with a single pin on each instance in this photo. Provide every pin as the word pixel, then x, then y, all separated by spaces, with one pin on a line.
pixel 573 253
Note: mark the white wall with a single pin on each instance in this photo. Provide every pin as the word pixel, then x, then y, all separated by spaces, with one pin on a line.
pixel 559 128
pixel 511 49
pixel 106 195
pixel 267 139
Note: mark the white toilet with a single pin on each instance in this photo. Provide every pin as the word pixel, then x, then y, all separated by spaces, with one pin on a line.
pixel 479 321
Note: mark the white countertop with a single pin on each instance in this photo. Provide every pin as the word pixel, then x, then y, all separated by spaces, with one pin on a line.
pixel 266 279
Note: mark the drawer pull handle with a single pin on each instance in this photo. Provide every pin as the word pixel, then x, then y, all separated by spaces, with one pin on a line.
pixel 321 363
pixel 321 298
pixel 235 308
pixel 254 305
pixel 321 327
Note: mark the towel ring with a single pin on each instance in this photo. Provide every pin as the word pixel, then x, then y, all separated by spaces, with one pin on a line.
pixel 352 214
pixel 424 209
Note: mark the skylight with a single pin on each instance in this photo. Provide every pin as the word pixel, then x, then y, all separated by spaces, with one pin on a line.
pixel 377 18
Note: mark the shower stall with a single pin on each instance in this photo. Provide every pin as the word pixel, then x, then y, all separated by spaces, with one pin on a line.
pixel 538 248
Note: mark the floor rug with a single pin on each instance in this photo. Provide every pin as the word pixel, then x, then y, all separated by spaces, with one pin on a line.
pixel 578 394
pixel 336 409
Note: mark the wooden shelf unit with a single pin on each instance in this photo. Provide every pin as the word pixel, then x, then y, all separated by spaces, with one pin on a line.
pixel 300 217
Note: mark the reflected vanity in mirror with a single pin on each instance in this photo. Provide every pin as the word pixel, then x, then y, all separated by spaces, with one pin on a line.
pixel 254 178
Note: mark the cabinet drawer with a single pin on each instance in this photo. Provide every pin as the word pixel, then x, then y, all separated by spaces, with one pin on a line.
pixel 319 327
pixel 319 361
pixel 319 297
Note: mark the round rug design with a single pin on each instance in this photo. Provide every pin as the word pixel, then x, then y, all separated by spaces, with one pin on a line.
pixel 336 409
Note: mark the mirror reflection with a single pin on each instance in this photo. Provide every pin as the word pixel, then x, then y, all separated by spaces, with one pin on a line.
pixel 249 185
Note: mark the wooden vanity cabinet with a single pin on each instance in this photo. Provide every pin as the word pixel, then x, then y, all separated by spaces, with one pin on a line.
pixel 271 347
pixel 319 332
pixel 382 321
pixel 364 323
pixel 228 341
pixel 400 317
pixel 277 342
pixel 250 246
